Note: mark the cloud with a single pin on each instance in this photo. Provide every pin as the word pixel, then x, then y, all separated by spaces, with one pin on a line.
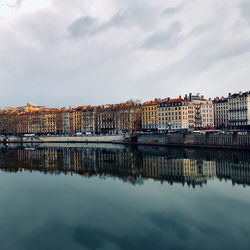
pixel 174 10
pixel 245 10
pixel 84 26
pixel 86 52
pixel 137 17
pixel 170 38
pixel 12 4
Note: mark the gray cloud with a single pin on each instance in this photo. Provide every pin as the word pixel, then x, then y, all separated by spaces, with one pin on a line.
pixel 170 38
pixel 140 17
pixel 201 28
pixel 245 10
pixel 174 10
pixel 84 26
pixel 89 60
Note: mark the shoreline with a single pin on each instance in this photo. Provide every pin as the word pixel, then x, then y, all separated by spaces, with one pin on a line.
pixel 216 141
pixel 137 144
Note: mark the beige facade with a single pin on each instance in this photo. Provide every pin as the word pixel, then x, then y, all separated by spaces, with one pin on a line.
pixel 108 119
pixel 42 123
pixel 200 111
pixel 77 119
pixel 172 114
pixel 113 119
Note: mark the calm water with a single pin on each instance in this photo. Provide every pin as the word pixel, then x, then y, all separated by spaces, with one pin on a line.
pixel 116 197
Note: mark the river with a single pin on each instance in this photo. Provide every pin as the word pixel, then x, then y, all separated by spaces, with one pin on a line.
pixel 105 196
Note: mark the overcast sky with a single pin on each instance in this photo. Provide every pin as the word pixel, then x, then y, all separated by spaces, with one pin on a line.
pixel 78 52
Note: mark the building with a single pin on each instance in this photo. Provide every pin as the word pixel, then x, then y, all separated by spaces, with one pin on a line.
pixel 67 122
pixel 172 114
pixel 30 107
pixel 239 110
pixel 220 112
pixel 149 115
pixel 118 118
pixel 77 119
pixel 59 120
pixel 200 111
pixel 89 120
pixel 22 123
pixel 134 118
pixel 42 123
pixel 107 119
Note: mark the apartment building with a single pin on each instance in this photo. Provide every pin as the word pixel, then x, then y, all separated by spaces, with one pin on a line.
pixel 42 123
pixel 118 118
pixel 239 110
pixel 220 112
pixel 172 114
pixel 22 123
pixel 89 120
pixel 134 118
pixel 107 120
pixel 149 115
pixel 200 111
pixel 78 119
pixel 67 122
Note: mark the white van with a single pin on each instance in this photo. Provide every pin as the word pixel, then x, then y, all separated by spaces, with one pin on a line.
pixel 29 135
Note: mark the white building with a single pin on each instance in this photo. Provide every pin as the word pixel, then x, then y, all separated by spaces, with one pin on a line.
pixel 220 112
pixel 239 110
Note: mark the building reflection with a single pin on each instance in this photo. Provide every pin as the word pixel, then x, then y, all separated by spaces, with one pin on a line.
pixel 183 166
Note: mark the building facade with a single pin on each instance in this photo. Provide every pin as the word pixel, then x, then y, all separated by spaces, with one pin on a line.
pixel 89 120
pixel 149 115
pixel 42 123
pixel 239 110
pixel 200 111
pixel 172 114
pixel 67 122
pixel 220 112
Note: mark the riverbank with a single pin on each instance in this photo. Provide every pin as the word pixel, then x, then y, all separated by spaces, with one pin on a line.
pixel 64 139
pixel 234 141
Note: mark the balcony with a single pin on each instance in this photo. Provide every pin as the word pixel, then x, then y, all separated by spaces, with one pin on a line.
pixel 237 109
pixel 238 120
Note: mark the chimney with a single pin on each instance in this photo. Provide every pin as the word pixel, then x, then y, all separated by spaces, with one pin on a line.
pixel 240 92
pixel 202 97
pixel 179 96
pixel 229 94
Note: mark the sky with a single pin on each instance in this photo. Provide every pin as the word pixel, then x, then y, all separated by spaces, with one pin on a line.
pixel 77 52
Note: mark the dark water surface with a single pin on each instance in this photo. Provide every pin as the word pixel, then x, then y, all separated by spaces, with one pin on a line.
pixel 116 197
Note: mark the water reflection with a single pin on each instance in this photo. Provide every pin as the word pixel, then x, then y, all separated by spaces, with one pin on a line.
pixel 190 167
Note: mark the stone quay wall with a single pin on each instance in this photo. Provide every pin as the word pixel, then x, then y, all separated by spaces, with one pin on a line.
pixel 189 140
pixel 206 140
pixel 63 139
